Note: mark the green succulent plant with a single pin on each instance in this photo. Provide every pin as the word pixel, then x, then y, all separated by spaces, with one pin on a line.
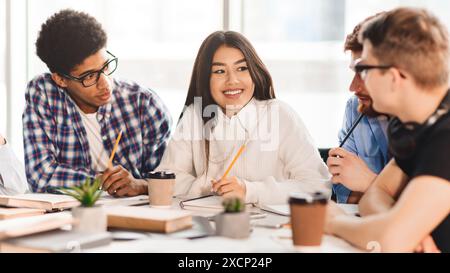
pixel 233 204
pixel 87 193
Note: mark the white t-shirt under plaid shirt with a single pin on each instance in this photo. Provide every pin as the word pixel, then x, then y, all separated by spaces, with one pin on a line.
pixel 55 140
pixel 99 157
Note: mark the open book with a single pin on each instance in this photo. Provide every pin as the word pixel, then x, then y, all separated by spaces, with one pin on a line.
pixel 33 224
pixel 46 201
pixel 52 202
pixel 148 219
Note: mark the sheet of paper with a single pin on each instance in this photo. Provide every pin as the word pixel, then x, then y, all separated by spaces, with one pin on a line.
pixel 284 209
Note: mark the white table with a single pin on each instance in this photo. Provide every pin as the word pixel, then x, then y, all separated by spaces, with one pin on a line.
pixel 260 240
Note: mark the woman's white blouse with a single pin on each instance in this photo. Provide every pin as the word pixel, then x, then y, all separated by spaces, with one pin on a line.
pixel 12 173
pixel 279 158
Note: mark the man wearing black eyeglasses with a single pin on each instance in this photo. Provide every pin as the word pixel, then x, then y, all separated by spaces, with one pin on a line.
pixel 74 114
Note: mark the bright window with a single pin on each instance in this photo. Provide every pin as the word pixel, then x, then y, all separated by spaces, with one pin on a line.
pixel 301 42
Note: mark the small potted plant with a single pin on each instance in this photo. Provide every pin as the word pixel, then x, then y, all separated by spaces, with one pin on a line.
pixel 88 217
pixel 234 221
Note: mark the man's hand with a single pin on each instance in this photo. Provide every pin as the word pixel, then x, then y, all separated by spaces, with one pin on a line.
pixel 2 140
pixel 427 246
pixel 229 186
pixel 333 210
pixel 118 182
pixel 349 170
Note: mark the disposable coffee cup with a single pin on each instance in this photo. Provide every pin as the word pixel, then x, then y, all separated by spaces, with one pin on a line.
pixel 307 218
pixel 160 189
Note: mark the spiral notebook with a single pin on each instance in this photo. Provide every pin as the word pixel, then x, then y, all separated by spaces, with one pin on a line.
pixel 207 202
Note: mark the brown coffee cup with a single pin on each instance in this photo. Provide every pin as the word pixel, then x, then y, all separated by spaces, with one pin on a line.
pixel 160 189
pixel 307 218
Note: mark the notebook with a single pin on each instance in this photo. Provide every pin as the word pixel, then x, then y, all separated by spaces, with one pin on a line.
pixel 108 200
pixel 56 241
pixel 34 224
pixel 148 219
pixel 10 213
pixel 285 210
pixel 208 202
pixel 277 209
pixel 55 202
pixel 211 203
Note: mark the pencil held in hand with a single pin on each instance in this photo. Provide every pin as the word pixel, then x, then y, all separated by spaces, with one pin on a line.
pixel 114 149
pixel 351 129
pixel 234 161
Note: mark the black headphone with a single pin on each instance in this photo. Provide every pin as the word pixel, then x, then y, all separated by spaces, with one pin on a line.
pixel 403 137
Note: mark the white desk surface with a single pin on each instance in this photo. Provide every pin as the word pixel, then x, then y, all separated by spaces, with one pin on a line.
pixel 260 240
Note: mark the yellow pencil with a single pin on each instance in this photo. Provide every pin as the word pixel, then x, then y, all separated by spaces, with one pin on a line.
pixel 234 161
pixel 114 150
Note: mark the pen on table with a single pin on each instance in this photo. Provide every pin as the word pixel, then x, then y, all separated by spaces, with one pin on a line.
pixel 111 157
pixel 351 129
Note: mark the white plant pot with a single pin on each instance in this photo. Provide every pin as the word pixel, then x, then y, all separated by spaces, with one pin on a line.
pixel 89 219
pixel 233 225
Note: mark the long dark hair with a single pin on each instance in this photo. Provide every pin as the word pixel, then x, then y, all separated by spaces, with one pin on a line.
pixel 201 74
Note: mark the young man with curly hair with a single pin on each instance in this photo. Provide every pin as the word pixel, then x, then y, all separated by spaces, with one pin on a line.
pixel 74 114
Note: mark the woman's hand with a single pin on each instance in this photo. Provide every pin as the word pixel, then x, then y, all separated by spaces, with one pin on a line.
pixel 229 186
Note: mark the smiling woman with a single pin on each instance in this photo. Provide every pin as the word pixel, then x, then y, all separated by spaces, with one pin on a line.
pixel 238 109
pixel 231 84
pixel 228 72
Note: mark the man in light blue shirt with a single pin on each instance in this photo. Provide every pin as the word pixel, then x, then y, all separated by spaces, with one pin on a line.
pixel 365 152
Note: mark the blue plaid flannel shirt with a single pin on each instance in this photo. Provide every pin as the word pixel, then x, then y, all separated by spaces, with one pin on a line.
pixel 55 141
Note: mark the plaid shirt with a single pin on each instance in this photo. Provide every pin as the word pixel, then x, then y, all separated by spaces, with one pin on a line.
pixel 55 141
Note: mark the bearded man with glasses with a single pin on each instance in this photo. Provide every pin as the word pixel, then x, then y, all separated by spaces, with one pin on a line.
pixel 74 114
pixel 356 164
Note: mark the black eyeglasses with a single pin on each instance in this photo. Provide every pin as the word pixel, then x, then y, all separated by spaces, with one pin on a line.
pixel 92 78
pixel 363 69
